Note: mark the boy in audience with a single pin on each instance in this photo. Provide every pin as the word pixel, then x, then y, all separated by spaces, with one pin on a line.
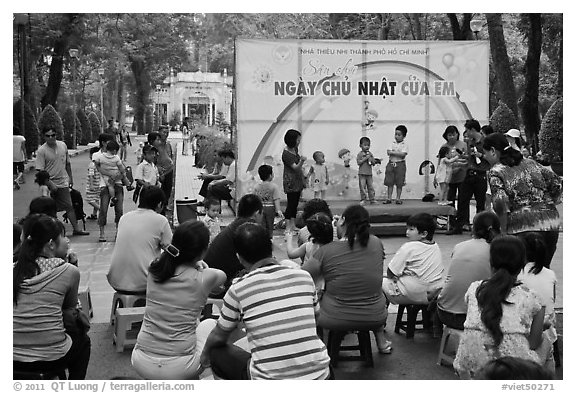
pixel 414 275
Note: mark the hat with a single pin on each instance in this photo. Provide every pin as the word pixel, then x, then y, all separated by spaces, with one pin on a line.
pixel 513 133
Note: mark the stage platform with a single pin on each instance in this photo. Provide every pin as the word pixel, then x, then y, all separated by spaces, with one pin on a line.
pixel 391 219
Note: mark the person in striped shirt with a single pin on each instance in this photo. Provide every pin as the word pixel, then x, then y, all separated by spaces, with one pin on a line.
pixel 277 306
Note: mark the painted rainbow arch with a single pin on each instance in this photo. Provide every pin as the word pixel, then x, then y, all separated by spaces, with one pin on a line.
pixel 311 107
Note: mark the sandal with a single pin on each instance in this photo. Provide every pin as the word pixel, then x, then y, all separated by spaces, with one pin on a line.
pixel 398 202
pixel 102 240
pixel 387 202
pixel 387 349
pixel 92 217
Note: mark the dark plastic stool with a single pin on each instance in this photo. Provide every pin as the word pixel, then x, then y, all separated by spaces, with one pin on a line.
pixel 335 346
pixel 39 375
pixel 409 326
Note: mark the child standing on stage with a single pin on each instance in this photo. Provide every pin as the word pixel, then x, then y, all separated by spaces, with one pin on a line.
pixel 269 193
pixel 318 175
pixel 365 161
pixel 396 168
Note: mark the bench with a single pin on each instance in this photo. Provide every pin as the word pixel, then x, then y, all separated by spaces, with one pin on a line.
pixel 125 317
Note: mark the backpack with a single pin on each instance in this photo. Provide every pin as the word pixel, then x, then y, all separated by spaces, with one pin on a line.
pixel 78 205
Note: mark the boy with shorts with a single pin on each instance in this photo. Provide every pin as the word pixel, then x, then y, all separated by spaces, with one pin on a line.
pixel 269 193
pixel 396 167
pixel 365 160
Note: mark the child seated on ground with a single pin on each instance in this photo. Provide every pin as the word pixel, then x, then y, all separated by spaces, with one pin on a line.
pixel 212 219
pixel 540 279
pixel 93 186
pixel 42 178
pixel 414 274
pixel 269 193
pixel 111 169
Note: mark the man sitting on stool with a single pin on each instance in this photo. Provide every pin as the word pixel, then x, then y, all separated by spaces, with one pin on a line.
pixel 218 186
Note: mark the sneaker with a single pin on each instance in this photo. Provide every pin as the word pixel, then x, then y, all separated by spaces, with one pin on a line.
pixel 130 187
pixel 113 201
pixel 80 233
pixel 387 201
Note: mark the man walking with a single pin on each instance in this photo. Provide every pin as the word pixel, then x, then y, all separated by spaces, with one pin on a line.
pixel 277 305
pixel 53 158
pixel 475 183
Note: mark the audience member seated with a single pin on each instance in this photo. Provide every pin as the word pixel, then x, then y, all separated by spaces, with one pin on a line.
pixel 46 334
pixel 142 233
pixel 352 269
pixel 470 262
pixel 270 300
pixel 221 253
pixel 312 207
pixel 536 276
pixel 218 185
pixel 414 274
pixel 171 338
pixel 509 367
pixel 43 205
pixel 503 318
pixel 17 241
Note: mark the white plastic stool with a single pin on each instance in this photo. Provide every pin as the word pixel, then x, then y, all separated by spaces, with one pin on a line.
pixel 86 301
pixel 125 317
pixel 122 300
pixel 442 356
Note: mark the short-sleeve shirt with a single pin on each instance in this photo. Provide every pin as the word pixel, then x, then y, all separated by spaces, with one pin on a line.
pixel 172 311
pixel 293 180
pixel 542 283
pixel 277 305
pixel 109 163
pixel 365 168
pixel 141 234
pixel 147 171
pixel 420 260
pixel 231 175
pixel 53 161
pixel 17 143
pixel 164 161
pixel 470 262
pixel 398 146
pixel 353 281
pixel 268 192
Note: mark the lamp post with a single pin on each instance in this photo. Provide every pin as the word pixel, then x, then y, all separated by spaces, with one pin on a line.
pixel 73 57
pixel 21 20
pixel 476 26
pixel 158 87
pixel 101 74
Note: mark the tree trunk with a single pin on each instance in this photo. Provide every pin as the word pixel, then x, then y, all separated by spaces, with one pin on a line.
pixel 60 48
pixel 384 31
pixel 142 83
pixel 121 98
pixel 505 82
pixel 461 33
pixel 559 85
pixel 529 107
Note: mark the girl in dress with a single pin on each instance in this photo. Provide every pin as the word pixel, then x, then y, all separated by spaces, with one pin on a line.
pixel 444 173
pixel 504 317
pixel 318 175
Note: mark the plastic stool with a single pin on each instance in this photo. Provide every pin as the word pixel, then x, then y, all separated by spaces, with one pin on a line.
pixel 409 326
pixel 335 338
pixel 39 375
pixel 442 356
pixel 86 301
pixel 123 300
pixel 124 319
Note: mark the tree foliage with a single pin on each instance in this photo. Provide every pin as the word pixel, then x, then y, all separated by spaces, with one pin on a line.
pixel 95 126
pixel 503 119
pixel 551 134
pixel 50 119
pixel 30 128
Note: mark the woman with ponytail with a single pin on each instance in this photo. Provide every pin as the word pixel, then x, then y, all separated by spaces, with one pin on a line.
pixel 504 317
pixel 179 281
pixel 524 193
pixel 352 269
pixel 45 299
pixel 470 262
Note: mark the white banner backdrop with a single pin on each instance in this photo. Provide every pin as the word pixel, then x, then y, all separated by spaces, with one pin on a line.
pixel 335 92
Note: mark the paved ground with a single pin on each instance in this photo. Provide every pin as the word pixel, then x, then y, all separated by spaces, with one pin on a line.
pixel 411 359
